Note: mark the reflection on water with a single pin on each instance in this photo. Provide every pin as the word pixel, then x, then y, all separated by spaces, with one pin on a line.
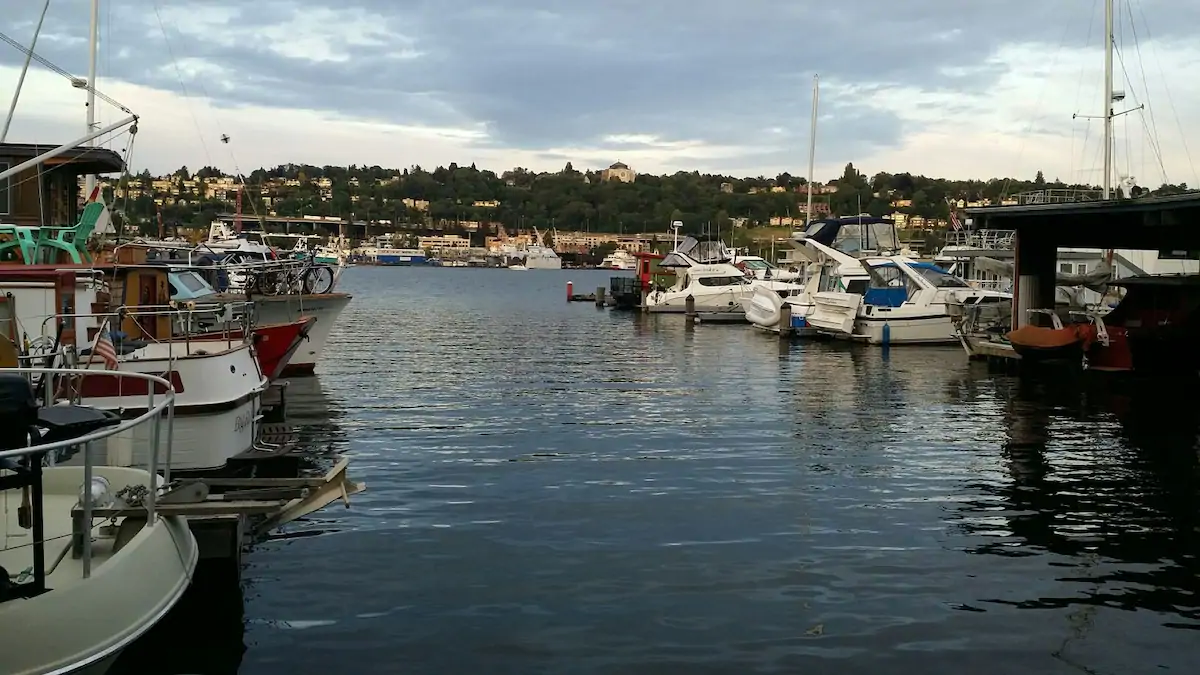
pixel 558 489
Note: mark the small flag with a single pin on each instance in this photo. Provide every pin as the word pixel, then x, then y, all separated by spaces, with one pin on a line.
pixel 104 222
pixel 105 350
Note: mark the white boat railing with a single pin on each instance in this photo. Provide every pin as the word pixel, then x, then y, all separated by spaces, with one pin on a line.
pixel 981 239
pixel 33 457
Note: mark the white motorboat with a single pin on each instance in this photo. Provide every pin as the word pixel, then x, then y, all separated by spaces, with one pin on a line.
pixel 905 302
pixel 518 267
pixel 827 269
pixel 83 572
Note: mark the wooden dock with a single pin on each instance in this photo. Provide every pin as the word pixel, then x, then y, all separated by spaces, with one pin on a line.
pixel 998 354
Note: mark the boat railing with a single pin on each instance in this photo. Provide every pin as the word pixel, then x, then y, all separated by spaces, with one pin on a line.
pixel 1059 196
pixel 21 467
pixel 234 327
pixel 981 239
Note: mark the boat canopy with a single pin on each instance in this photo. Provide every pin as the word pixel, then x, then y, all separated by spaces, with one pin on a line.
pixel 690 252
pixel 851 234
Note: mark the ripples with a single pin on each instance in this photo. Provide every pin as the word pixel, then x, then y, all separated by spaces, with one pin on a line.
pixel 558 489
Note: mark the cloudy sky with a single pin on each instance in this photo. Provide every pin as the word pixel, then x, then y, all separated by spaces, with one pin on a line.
pixel 956 88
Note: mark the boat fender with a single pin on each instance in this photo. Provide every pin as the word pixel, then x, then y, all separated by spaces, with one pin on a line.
pixel 887 333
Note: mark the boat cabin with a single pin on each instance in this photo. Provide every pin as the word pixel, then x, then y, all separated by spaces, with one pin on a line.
pixel 49 193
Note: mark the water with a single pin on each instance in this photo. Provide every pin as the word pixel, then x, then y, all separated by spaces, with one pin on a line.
pixel 558 489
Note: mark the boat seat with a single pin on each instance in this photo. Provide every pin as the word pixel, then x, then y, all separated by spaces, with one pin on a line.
pixel 64 422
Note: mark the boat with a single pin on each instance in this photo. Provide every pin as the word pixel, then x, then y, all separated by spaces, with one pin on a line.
pixel 620 259
pixel 72 598
pixel 536 256
pixel 218 380
pixel 1154 329
pixel 827 270
pixel 518 267
pixel 905 302
pixel 704 273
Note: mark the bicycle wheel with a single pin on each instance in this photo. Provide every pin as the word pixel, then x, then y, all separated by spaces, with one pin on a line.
pixel 318 280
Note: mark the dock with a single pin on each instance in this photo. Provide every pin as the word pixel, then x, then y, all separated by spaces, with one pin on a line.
pixel 980 347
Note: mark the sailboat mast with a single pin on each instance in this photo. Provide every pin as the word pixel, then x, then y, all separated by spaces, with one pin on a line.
pixel 812 147
pixel 93 37
pixel 1106 185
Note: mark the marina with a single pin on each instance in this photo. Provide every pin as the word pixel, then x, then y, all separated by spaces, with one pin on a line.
pixel 251 423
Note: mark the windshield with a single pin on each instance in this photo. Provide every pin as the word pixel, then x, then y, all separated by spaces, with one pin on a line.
pixel 940 278
pixel 757 264
pixel 191 282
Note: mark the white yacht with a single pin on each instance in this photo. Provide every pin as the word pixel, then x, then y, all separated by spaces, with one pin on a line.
pixel 705 274
pixel 619 259
pixel 905 302
pixel 86 563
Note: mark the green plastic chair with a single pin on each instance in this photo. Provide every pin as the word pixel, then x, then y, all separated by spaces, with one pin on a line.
pixel 24 241
pixel 71 240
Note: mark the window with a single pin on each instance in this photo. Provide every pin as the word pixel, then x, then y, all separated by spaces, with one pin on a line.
pixel 1064 268
pixel 940 279
pixel 5 192
pixel 192 282
pixel 757 264
pixel 721 281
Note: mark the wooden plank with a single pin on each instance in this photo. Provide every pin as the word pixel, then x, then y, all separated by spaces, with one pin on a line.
pixel 261 482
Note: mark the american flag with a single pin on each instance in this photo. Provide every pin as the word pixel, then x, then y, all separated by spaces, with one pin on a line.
pixel 104 349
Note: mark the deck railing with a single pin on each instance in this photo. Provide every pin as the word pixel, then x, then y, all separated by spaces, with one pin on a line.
pixel 24 467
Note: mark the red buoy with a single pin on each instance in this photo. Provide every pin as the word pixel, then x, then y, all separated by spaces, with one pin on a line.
pixel 570 291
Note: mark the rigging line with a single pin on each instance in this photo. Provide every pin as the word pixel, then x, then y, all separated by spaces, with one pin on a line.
pixel 1037 108
pixel 1170 99
pixel 1152 129
pixel 1157 149
pixel 1079 93
pixel 37 57
pixel 182 86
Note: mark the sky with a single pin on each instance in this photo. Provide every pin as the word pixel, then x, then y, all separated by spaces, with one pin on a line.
pixel 950 88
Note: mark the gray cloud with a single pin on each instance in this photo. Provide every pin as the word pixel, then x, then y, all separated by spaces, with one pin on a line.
pixel 546 74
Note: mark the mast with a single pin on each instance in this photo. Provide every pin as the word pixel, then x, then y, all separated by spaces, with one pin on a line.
pixel 91 87
pixel 12 108
pixel 1106 185
pixel 812 146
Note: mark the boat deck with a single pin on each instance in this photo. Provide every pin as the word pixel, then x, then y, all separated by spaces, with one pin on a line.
pixel 16 551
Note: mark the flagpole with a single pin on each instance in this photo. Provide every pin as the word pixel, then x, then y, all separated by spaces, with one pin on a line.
pixel 92 354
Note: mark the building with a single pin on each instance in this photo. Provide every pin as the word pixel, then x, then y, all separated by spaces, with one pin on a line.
pixel 619 171
pixel 49 193
pixel 443 242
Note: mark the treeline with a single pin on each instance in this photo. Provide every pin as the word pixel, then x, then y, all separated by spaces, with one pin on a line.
pixel 571 199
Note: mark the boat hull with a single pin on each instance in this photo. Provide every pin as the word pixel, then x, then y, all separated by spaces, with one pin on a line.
pixel 924 330
pixel 217 402
pixel 274 344
pixel 287 309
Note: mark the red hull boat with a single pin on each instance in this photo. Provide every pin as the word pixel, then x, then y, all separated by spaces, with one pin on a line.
pixel 274 344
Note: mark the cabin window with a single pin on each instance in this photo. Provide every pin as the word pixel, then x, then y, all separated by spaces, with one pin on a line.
pixel 721 281
pixel 5 192
pixel 857 286
pixel 1064 268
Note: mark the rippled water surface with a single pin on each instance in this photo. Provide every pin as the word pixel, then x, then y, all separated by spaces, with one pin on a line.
pixel 554 488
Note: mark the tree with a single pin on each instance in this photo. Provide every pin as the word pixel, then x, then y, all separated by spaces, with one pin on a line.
pixel 1039 180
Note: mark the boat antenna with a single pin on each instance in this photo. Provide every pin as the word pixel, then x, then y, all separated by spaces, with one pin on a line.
pixel 812 147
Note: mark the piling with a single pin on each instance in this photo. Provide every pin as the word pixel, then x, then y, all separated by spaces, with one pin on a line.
pixel 689 307
pixel 785 322
pixel 645 295
pixel 570 291
pixel 600 296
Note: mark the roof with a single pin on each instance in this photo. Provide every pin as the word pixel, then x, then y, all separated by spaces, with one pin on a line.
pixel 618 165
pixel 82 158
pixel 1149 223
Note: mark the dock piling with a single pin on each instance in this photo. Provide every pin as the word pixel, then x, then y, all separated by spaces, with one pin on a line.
pixel 785 322
pixel 600 296
pixel 689 307
pixel 570 291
